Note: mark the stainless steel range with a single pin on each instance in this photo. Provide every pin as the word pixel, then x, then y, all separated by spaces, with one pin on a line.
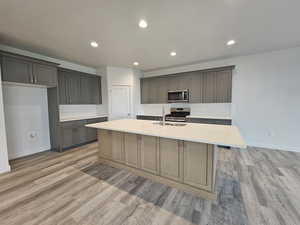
pixel 178 114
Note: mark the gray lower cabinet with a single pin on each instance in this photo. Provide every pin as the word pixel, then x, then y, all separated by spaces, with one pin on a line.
pixel 78 88
pixel 25 70
pixel 69 87
pixel 74 133
pixel 205 86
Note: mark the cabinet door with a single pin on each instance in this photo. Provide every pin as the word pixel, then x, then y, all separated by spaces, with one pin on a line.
pixel 224 86
pixel 91 134
pixel 96 90
pixel 117 141
pixel 152 90
pixel 79 135
pixel 45 75
pixel 196 166
pixel 67 137
pixel 149 154
pixel 195 87
pixel 173 83
pixel 171 158
pixel 63 88
pixel 104 140
pixel 73 88
pixel 131 149
pixel 209 87
pixel 16 70
pixel 85 89
pixel 161 90
pixel 90 87
pixel 145 91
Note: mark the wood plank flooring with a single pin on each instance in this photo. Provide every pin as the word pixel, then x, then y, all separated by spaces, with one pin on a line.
pixel 255 187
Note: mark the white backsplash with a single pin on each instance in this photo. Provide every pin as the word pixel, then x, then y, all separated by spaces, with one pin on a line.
pixel 70 111
pixel 207 110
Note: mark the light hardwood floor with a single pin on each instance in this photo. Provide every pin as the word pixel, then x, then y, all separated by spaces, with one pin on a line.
pixel 255 187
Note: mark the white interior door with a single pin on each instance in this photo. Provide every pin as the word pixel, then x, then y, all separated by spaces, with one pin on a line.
pixel 120 102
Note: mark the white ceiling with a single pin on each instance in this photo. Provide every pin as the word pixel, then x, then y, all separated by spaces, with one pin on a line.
pixel 196 29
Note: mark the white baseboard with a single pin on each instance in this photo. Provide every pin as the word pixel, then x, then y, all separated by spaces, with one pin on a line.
pixel 5 169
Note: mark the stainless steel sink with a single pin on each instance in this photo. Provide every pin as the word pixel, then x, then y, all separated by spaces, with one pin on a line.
pixel 170 124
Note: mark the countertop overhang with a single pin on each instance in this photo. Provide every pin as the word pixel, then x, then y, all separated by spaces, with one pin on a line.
pixel 194 132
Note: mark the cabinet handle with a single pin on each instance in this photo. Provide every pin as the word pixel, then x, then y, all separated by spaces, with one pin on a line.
pixel 35 79
pixel 31 79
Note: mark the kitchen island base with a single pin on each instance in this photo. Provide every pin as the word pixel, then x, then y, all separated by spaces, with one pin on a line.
pixel 185 165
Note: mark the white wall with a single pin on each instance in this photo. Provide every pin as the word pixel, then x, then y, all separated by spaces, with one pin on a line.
pixel 26 119
pixel 265 96
pixel 4 165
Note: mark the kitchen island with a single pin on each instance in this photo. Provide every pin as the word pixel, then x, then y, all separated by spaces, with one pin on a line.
pixel 181 155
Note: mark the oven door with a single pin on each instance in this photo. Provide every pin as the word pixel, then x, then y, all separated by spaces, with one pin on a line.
pixel 178 96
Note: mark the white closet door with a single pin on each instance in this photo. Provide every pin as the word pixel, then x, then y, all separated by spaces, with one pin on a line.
pixel 120 102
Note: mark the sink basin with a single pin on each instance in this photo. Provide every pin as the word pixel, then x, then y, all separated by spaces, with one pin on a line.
pixel 171 124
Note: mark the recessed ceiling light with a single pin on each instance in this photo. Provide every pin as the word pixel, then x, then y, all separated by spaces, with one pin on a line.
pixel 136 63
pixel 231 42
pixel 94 44
pixel 173 53
pixel 143 24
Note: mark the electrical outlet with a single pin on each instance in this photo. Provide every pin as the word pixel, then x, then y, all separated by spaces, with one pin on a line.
pixel 32 136
pixel 270 133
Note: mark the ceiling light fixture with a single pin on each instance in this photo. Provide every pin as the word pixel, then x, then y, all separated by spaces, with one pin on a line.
pixel 173 53
pixel 136 63
pixel 94 44
pixel 143 24
pixel 231 42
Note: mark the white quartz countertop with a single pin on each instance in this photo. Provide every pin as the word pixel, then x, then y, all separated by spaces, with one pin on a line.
pixel 195 132
pixel 80 117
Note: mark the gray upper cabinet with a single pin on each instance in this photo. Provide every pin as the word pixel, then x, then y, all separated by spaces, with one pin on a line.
pixel 145 91
pixel 90 87
pixel 44 74
pixel 78 88
pixel 16 70
pixel 63 88
pixel 195 87
pixel 74 91
pixel 25 70
pixel 208 86
pixel 154 90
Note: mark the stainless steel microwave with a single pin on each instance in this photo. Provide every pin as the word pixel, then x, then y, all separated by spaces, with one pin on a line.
pixel 178 96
